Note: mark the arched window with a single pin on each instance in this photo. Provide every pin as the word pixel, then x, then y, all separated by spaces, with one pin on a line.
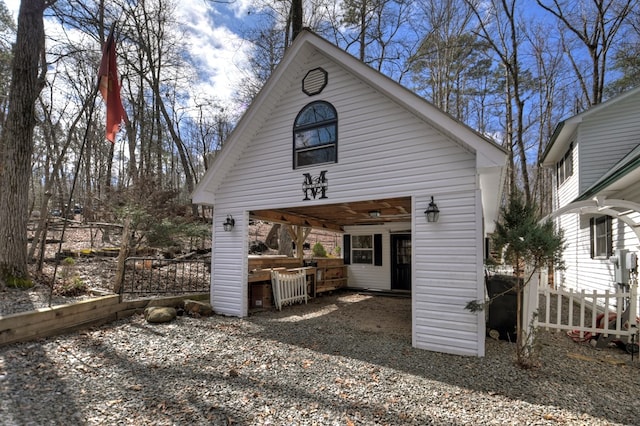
pixel 315 135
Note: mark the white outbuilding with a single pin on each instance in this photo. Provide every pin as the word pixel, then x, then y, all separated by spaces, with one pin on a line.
pixel 331 143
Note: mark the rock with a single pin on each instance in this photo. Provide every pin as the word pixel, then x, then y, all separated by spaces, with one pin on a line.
pixel 159 314
pixel 195 307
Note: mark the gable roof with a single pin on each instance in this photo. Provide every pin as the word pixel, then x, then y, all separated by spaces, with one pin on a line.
pixel 490 157
pixel 559 141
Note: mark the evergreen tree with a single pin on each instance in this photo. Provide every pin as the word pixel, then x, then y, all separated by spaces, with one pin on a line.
pixel 528 245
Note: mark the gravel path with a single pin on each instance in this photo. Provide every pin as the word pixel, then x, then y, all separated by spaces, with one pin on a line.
pixel 306 365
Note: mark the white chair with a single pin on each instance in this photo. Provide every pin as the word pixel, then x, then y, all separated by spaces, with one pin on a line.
pixel 288 288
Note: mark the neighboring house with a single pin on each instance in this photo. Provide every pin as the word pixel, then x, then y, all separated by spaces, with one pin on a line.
pixel 595 156
pixel 331 143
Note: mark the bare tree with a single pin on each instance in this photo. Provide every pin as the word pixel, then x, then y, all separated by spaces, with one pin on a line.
pixel 499 28
pixel 550 102
pixel 627 58
pixel 381 30
pixel 161 74
pixel 7 35
pixel 450 57
pixel 208 129
pixel 267 49
pixel 28 73
pixel 596 25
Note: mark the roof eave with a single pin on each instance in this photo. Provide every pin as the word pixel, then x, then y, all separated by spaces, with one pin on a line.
pixel 633 166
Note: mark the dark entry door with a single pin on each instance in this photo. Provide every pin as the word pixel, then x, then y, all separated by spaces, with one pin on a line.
pixel 400 261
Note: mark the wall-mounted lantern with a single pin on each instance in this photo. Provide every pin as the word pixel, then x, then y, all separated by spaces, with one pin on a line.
pixel 432 212
pixel 229 223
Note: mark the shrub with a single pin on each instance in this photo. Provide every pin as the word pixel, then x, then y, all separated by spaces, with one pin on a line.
pixel 72 284
pixel 319 250
pixel 20 283
pixel 72 287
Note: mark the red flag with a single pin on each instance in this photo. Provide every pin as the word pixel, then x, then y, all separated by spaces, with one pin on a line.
pixel 110 89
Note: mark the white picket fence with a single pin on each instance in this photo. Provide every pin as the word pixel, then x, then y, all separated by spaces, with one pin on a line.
pixel 607 315
pixel 289 288
pixel 593 312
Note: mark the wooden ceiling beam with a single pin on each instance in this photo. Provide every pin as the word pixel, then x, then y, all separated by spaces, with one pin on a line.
pixel 334 217
pixel 278 216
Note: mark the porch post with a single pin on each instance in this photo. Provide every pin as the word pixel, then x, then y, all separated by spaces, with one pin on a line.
pixel 633 304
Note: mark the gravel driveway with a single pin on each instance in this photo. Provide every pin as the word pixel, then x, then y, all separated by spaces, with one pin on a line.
pixel 307 365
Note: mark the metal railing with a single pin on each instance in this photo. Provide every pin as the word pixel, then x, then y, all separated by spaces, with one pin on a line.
pixel 152 277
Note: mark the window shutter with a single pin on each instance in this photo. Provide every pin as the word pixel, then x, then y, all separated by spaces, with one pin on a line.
pixel 377 249
pixel 487 248
pixel 592 244
pixel 346 252
pixel 609 237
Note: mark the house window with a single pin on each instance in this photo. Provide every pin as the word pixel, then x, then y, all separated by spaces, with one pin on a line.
pixel 315 135
pixel 601 237
pixel 362 249
pixel 564 168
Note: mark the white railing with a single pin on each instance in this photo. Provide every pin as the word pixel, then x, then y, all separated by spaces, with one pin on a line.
pixel 289 288
pixel 588 315
pixel 499 269
pixel 583 312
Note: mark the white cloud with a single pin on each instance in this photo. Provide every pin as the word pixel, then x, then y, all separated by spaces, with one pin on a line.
pixel 242 7
pixel 13 6
pixel 219 53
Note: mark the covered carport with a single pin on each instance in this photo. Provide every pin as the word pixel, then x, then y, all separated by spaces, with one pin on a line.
pixel 390 213
pixel 384 156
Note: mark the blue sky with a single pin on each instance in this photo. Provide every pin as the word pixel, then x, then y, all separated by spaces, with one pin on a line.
pixel 215 44
pixel 214 41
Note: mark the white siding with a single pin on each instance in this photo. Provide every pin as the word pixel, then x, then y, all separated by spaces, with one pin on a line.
pixel 582 272
pixel 372 276
pixel 606 137
pixel 598 274
pixel 602 139
pixel 388 152
pixel 229 265
pixel 565 194
pixel 629 239
pixel 383 151
pixel 569 223
pixel 447 275
pixel 569 190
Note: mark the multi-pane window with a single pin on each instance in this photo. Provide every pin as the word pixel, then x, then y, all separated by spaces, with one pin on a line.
pixel 564 167
pixel 362 249
pixel 601 237
pixel 315 135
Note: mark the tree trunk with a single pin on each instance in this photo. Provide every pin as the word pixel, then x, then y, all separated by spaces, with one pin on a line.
pixel 296 18
pixel 27 80
pixel 57 166
pixel 285 243
pixel 122 256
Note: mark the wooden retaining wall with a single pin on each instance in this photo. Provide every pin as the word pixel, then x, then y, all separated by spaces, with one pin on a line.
pixel 46 322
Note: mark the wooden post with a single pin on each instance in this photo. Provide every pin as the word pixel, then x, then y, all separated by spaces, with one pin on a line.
pixel 633 305
pixel 529 307
pixel 43 244
pixel 299 243
pixel 122 256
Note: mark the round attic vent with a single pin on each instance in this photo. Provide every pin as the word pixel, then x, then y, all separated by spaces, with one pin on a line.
pixel 314 82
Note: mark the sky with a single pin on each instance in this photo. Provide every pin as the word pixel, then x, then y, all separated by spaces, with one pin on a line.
pixel 213 38
pixel 215 41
